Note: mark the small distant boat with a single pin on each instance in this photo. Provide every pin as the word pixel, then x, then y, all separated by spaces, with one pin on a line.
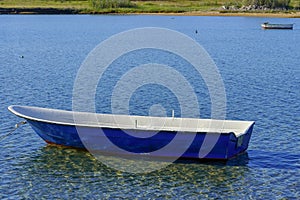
pixel 228 137
pixel 267 25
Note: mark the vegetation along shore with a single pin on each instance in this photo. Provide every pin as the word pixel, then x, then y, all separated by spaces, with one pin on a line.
pixel 265 8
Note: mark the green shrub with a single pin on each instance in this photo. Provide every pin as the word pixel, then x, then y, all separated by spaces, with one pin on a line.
pixel 100 4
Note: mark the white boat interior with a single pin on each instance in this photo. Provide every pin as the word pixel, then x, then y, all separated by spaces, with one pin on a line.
pixel 88 119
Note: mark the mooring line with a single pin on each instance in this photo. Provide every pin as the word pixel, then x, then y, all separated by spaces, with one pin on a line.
pixel 15 128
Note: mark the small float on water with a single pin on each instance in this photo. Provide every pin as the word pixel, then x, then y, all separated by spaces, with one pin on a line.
pixel 76 129
pixel 267 25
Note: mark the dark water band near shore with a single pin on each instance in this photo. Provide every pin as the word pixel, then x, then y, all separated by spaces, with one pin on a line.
pixel 66 11
pixel 6 11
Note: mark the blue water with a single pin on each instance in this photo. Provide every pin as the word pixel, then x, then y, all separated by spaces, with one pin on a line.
pixel 39 60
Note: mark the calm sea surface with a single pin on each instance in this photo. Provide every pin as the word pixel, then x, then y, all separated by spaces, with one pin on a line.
pixel 39 60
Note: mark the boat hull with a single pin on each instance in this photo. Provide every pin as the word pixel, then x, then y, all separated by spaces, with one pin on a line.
pixel 226 147
pixel 277 26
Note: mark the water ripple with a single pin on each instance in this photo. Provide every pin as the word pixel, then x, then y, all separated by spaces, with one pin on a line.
pixel 260 71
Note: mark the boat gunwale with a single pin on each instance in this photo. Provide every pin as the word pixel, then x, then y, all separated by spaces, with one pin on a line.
pixel 174 129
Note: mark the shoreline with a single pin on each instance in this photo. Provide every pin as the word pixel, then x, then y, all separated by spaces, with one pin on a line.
pixel 68 11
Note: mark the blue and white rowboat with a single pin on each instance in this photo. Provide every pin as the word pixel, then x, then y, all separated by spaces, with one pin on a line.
pixel 267 25
pixel 74 129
